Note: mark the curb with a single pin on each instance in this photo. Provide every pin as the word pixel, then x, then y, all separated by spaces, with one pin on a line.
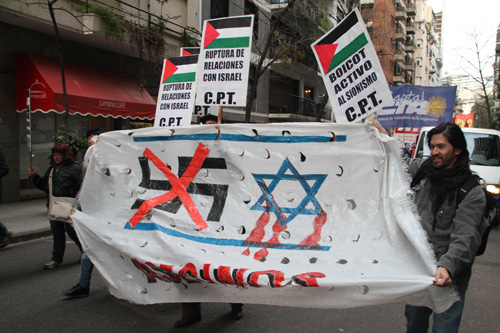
pixel 30 235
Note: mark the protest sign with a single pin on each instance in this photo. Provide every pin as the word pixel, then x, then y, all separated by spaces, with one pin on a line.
pixel 176 94
pixel 309 215
pixel 222 76
pixel 352 74
pixel 187 51
pixel 417 106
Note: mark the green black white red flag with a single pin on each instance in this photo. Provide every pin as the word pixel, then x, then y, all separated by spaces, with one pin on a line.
pixel 222 76
pixel 351 70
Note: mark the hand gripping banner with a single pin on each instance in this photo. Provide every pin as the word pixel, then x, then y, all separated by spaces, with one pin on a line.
pixel 307 215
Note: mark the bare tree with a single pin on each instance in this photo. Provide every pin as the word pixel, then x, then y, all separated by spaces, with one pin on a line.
pixel 291 33
pixel 475 60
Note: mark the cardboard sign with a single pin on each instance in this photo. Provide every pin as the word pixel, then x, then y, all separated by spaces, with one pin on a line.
pixel 222 76
pixel 302 214
pixel 352 74
pixel 176 94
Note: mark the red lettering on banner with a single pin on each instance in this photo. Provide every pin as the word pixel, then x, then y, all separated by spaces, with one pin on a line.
pixel 188 272
pixel 308 279
pixel 240 279
pixel 276 278
pixel 223 275
pixel 205 274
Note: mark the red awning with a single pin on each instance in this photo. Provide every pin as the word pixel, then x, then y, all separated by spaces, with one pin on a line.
pixel 90 90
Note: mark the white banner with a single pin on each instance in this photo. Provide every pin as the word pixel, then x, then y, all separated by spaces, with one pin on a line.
pixel 352 74
pixel 222 76
pixel 302 214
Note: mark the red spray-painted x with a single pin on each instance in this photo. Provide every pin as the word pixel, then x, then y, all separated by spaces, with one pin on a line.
pixel 178 187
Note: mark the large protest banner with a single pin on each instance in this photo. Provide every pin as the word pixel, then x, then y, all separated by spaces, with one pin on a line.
pixel 417 106
pixel 352 74
pixel 222 76
pixel 176 93
pixel 309 215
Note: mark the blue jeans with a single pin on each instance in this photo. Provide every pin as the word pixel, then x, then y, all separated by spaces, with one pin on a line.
pixel 417 318
pixel 85 270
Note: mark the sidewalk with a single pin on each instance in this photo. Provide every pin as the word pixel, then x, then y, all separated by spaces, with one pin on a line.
pixel 26 219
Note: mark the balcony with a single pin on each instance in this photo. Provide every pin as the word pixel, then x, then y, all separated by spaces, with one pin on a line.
pixel 411 10
pixel 409 66
pixel 400 14
pixel 410 47
pixel 399 57
pixel 400 35
pixel 411 29
pixel 398 79
pixel 284 106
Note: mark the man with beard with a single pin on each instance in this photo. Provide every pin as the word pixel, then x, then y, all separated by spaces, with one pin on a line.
pixel 453 231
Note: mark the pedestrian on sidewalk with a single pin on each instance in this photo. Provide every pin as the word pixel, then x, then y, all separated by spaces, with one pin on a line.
pixel 63 178
pixel 5 235
pixel 82 288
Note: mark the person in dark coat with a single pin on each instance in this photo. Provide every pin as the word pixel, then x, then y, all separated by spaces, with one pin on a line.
pixel 5 235
pixel 65 181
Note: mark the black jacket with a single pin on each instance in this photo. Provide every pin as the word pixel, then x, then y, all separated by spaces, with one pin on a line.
pixel 66 180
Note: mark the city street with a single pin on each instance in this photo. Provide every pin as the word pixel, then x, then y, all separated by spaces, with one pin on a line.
pixel 31 300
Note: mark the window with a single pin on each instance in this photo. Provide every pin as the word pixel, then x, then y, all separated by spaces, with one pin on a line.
pixel 219 8
pixel 250 9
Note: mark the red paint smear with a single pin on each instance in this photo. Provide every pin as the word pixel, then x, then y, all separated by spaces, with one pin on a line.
pixel 319 222
pixel 246 252
pixel 210 34
pixel 258 232
pixel 178 187
pixel 261 254
pixel 277 229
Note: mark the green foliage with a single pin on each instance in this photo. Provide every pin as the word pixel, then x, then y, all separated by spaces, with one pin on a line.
pixel 113 22
pixel 66 135
pixel 189 40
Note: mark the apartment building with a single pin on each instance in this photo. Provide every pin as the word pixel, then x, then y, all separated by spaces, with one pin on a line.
pixel 428 58
pixel 391 25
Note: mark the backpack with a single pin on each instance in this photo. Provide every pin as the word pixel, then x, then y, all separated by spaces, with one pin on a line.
pixel 462 191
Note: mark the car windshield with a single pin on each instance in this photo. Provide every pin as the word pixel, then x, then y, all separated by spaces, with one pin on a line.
pixel 484 149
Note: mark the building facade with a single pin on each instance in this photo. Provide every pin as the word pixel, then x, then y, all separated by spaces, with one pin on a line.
pixel 428 58
pixel 391 25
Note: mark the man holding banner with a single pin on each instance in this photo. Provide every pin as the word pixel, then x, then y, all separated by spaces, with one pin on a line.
pixel 454 231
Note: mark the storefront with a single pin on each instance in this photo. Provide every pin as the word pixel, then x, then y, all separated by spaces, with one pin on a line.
pixel 95 98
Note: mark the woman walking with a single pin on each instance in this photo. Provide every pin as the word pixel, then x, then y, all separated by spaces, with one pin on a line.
pixel 61 180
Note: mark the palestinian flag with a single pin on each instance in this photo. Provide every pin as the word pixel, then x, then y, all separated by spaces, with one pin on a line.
pixel 187 51
pixel 341 43
pixel 232 32
pixel 180 69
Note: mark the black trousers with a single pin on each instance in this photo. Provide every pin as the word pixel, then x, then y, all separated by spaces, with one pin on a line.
pixel 59 231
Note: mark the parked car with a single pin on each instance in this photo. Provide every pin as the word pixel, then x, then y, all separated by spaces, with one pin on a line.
pixel 484 149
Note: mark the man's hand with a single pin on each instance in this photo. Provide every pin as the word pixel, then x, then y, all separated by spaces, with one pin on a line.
pixel 443 278
pixel 378 126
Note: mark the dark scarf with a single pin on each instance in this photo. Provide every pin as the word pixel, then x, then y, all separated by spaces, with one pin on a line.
pixel 444 182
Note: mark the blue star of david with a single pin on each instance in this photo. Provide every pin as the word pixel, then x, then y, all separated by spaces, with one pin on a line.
pixel 295 176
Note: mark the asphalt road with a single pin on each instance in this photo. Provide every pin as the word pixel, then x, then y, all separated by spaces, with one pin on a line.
pixel 31 300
